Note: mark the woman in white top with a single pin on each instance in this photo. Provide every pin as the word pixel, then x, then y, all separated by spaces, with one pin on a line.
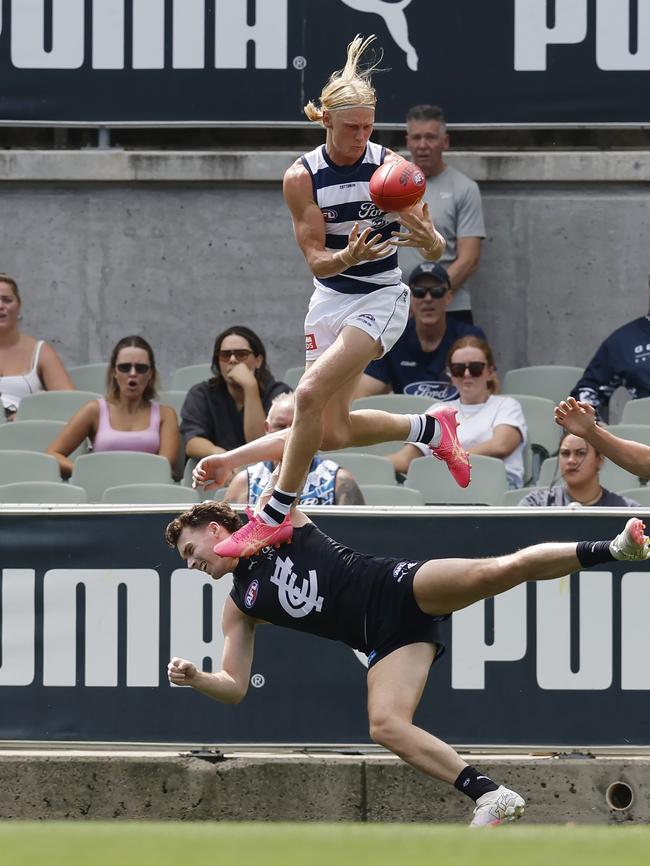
pixel 27 365
pixel 491 424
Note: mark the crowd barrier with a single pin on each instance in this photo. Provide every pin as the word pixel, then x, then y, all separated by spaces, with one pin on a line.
pixel 93 603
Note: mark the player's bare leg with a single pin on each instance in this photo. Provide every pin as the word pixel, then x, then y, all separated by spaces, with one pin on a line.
pixel 395 686
pixel 444 585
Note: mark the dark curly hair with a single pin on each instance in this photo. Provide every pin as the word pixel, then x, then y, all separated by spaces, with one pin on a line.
pixel 200 515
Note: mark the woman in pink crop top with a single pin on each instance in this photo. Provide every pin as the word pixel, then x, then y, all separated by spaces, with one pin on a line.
pixel 27 365
pixel 129 418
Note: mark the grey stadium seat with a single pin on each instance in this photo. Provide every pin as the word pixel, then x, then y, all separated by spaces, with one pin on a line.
pixel 184 377
pixel 53 405
pixel 150 494
pixel 27 466
pixel 96 472
pixel 42 491
pixel 554 381
pixel 89 377
pixel 432 478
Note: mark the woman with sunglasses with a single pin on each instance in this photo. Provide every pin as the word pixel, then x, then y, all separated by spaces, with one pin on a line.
pixel 490 424
pixel 229 410
pixel 129 418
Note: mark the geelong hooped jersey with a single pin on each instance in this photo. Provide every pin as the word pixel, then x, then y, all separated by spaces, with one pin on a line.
pixel 314 584
pixel 342 192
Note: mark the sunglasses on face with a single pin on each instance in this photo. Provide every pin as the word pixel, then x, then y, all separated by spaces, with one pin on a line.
pixel 239 354
pixel 475 368
pixel 140 369
pixel 436 292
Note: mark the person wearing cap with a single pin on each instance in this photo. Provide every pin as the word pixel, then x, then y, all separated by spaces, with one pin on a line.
pixel 621 361
pixel 417 363
pixel 454 202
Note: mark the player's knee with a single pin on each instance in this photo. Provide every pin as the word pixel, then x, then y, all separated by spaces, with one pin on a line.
pixel 492 574
pixel 308 397
pixel 385 730
pixel 334 440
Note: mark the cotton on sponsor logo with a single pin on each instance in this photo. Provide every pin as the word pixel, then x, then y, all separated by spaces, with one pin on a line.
pixel 310 342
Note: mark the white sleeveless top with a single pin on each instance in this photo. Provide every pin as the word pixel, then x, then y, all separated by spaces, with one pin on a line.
pixel 14 388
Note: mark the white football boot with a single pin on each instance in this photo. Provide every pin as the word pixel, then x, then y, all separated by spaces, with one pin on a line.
pixel 498 807
pixel 632 543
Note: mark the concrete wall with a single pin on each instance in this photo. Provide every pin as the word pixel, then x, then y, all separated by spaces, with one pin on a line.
pixel 179 245
pixel 304 787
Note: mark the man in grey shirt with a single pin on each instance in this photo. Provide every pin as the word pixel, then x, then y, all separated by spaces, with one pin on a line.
pixel 454 203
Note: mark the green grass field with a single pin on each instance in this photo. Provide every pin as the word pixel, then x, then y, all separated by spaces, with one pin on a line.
pixel 175 844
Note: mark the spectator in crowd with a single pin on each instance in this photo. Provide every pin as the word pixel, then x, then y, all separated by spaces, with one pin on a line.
pixel 621 360
pixel 491 424
pixel 27 365
pixel 229 410
pixel 417 363
pixel 580 419
pixel 327 483
pixel 579 464
pixel 129 418
pixel 454 204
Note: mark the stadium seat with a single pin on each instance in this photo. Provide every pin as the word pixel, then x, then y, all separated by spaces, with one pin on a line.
pixel 365 468
pixel 89 377
pixel 434 481
pixel 174 399
pixel 612 477
pixel 636 432
pixel 28 466
pixel 553 382
pixel 391 494
pixel 150 494
pixel 379 450
pixel 53 405
pixel 184 377
pixel 42 491
pixel 399 404
pixel 639 494
pixel 636 411
pixel 96 472
pixel 543 433
pixel 513 497
pixel 33 436
pixel 292 376
pixel 186 480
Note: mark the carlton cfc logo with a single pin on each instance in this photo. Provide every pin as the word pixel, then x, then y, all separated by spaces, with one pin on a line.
pixel 251 593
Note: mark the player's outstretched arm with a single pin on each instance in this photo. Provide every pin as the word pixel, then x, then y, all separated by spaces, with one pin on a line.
pixel 216 470
pixel 309 229
pixel 580 419
pixel 230 684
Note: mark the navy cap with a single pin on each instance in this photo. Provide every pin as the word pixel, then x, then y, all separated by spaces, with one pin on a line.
pixel 430 269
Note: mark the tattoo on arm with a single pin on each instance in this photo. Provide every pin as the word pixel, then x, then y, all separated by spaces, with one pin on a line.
pixel 347 490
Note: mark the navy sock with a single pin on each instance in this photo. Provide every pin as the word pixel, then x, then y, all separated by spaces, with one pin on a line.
pixel 594 553
pixel 473 783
